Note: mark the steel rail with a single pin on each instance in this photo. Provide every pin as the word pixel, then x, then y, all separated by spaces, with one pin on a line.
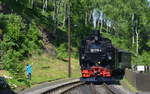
pixel 93 90
pixel 52 88
pixel 61 89
pixel 71 88
pixel 110 89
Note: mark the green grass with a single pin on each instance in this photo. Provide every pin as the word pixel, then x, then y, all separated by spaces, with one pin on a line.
pixel 4 72
pixel 44 68
pixel 128 85
pixel 47 68
pixel 12 81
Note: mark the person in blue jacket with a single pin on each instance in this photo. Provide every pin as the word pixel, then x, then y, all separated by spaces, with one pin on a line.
pixel 29 71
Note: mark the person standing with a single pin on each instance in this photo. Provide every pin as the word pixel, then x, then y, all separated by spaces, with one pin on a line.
pixel 29 71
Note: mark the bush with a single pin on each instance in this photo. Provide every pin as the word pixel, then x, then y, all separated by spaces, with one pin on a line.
pixel 19 41
pixel 142 59
pixel 62 51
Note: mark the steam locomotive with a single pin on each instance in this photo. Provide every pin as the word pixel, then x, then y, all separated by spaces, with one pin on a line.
pixel 100 59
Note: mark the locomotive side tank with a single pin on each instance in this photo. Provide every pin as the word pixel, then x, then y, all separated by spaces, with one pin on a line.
pixel 99 58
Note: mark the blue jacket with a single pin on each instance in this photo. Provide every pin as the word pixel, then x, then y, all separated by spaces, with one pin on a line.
pixel 29 69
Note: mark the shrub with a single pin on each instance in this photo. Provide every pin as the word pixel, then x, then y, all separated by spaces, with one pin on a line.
pixel 62 51
pixel 19 41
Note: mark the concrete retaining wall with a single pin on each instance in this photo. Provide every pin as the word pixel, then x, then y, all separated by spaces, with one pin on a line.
pixel 139 80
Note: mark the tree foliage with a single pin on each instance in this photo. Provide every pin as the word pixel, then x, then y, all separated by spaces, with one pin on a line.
pixel 20 35
pixel 18 41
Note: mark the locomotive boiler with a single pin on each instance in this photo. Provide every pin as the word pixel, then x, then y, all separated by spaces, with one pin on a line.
pixel 99 58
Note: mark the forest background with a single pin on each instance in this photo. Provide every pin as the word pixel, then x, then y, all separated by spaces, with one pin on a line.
pixel 29 27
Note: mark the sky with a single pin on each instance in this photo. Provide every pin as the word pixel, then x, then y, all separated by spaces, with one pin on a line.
pixel 149 2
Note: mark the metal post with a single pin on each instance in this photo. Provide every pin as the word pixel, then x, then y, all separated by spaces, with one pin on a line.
pixel 69 42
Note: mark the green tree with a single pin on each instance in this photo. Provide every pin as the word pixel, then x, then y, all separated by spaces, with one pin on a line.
pixel 18 42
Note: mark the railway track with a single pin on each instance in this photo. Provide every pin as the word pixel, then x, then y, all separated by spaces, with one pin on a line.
pixel 75 86
pixel 90 88
pixel 62 89
pixel 105 89
pixel 56 87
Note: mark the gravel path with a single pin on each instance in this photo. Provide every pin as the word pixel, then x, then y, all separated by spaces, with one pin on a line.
pixel 120 89
pixel 100 89
pixel 84 89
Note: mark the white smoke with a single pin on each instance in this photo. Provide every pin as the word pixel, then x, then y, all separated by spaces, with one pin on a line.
pixel 100 17
pixel 108 23
pixel 96 16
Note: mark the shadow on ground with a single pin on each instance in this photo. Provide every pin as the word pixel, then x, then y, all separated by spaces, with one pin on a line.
pixel 100 80
pixel 4 87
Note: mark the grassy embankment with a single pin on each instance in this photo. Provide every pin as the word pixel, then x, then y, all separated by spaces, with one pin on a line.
pixel 49 68
pixel 46 68
pixel 126 84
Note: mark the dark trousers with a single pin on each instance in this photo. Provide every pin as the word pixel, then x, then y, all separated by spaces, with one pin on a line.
pixel 29 76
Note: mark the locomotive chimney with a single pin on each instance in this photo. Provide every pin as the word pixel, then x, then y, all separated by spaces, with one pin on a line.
pixel 97 34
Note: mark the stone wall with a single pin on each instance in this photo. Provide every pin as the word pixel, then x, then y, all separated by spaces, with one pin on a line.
pixel 139 80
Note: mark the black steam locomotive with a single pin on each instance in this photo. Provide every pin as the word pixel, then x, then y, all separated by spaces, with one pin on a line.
pixel 99 58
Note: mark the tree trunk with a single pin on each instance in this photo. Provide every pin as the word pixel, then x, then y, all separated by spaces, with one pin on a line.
pixel 44 6
pixel 101 25
pixel 32 2
pixel 133 39
pixel 90 16
pixel 107 28
pixel 86 18
pixel 137 42
pixel 55 17
pixel 98 25
pixel 65 15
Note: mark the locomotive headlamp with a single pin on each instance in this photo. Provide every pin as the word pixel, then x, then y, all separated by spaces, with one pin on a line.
pixel 109 57
pixel 83 57
pixel 92 50
pixel 99 62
